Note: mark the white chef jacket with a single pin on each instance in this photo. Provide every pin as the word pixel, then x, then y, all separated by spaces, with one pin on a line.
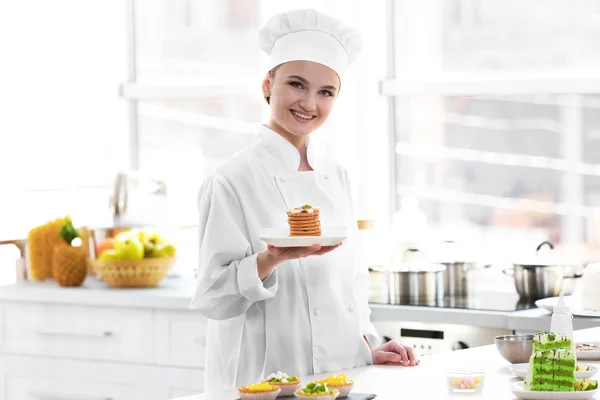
pixel 310 315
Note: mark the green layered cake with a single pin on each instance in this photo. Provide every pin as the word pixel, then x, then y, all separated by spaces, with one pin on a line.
pixel 544 341
pixel 551 371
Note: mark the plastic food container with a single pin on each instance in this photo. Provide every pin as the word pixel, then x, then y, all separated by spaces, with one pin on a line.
pixel 465 380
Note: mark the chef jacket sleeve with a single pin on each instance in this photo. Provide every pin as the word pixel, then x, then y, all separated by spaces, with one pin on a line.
pixel 228 282
pixel 361 279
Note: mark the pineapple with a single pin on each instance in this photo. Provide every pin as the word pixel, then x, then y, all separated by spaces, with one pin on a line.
pixel 69 262
pixel 41 242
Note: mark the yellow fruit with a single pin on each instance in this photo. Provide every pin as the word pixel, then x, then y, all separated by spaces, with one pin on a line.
pixel 111 254
pixel 41 242
pixel 69 265
pixel 260 386
pixel 162 251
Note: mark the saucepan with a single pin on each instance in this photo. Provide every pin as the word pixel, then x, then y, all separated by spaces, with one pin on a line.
pixel 416 282
pixel 545 276
pixel 456 281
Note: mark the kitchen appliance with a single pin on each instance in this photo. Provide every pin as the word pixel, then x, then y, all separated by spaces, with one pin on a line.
pixel 456 282
pixel 416 282
pixel 429 339
pixel 544 276
pixel 379 291
pixel 485 299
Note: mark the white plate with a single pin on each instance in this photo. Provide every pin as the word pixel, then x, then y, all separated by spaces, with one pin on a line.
pixel 589 354
pixel 573 302
pixel 519 390
pixel 280 237
pixel 520 371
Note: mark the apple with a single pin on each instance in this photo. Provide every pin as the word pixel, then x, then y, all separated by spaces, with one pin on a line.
pixel 110 254
pixel 128 246
pixel 162 250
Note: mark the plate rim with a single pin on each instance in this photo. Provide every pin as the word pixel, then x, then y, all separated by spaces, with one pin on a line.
pixel 542 303
pixel 584 394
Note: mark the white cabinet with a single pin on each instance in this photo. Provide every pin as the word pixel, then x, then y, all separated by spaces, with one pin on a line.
pixel 180 338
pixel 76 352
pixel 40 378
pixel 93 333
pixel 35 378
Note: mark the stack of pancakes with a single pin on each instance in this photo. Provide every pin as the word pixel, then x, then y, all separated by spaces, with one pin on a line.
pixel 304 221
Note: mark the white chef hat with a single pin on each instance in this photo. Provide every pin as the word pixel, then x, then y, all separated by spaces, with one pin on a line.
pixel 310 36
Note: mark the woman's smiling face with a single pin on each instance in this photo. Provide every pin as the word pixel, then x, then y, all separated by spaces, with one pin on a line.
pixel 301 95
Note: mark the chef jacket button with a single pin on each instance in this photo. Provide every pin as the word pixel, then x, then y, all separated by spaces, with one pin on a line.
pixel 326 176
pixel 281 179
pixel 316 312
pixel 350 309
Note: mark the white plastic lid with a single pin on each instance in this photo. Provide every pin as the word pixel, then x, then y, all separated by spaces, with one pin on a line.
pixel 562 307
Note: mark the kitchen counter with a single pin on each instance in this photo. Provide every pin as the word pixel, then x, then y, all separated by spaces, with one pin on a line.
pixel 171 294
pixel 427 381
pixel 176 293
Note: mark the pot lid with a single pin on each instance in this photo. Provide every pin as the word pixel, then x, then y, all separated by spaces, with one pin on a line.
pixel 546 257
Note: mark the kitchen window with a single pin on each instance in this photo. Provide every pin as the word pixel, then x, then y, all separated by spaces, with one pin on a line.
pixel 194 95
pixel 63 127
pixel 496 124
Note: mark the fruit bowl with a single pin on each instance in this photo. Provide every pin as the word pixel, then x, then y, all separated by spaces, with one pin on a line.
pixel 146 272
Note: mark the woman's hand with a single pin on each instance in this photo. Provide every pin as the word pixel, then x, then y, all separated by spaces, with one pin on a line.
pixel 273 256
pixel 394 352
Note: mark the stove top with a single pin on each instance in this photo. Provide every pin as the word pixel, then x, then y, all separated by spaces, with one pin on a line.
pixel 483 300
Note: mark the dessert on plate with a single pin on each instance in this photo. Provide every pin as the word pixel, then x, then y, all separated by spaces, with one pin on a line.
pixel 339 382
pixel 304 221
pixel 543 341
pixel 259 391
pixel 552 366
pixel 287 384
pixel 317 391
pixel 551 371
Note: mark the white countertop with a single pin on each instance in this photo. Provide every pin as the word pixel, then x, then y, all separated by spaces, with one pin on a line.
pixel 171 294
pixel 176 294
pixel 427 381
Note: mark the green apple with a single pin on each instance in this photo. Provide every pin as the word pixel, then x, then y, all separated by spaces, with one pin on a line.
pixel 110 254
pixel 163 251
pixel 129 247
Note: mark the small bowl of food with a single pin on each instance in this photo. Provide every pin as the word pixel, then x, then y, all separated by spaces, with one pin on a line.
pixel 317 391
pixel 465 380
pixel 339 382
pixel 259 391
pixel 287 384
pixel 515 349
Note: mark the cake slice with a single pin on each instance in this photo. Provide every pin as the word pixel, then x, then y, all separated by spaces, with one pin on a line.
pixel 563 370
pixel 551 371
pixel 543 341
pixel 540 376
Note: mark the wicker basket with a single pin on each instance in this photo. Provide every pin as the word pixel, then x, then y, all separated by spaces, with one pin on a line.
pixel 147 272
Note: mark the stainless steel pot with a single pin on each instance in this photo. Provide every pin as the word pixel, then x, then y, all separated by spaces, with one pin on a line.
pixel 452 255
pixel 456 282
pixel 416 282
pixel 544 279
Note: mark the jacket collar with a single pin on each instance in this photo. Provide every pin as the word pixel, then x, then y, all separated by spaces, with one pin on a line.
pixel 285 152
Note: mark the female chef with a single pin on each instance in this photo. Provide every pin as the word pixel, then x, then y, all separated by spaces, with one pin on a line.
pixel 299 310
